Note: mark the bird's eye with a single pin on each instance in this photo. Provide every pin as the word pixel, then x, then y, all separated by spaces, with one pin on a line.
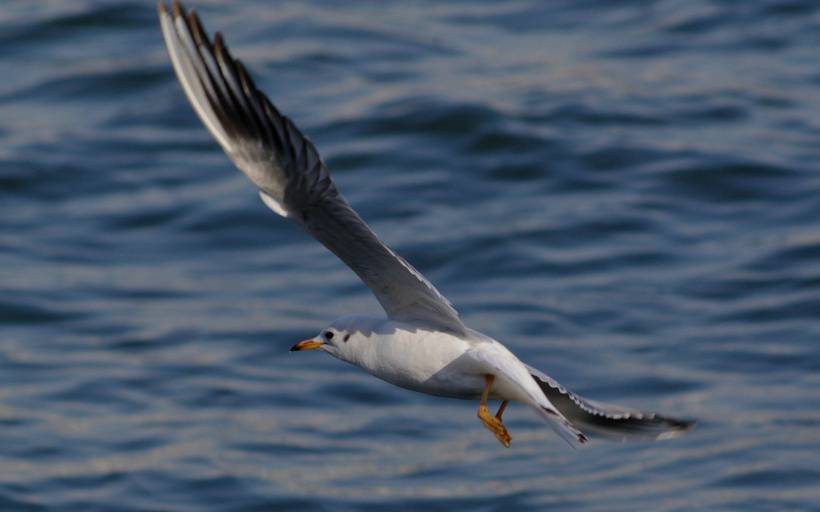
pixel 329 335
pixel 347 337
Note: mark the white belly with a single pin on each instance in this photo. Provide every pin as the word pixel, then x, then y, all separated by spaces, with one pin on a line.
pixel 434 363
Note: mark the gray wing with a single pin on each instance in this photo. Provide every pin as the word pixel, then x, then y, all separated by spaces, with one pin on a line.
pixel 608 420
pixel 287 168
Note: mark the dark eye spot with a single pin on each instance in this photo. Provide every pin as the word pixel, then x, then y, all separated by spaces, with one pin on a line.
pixel 347 337
pixel 329 335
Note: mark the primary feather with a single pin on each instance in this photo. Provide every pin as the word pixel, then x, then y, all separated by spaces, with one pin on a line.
pixel 607 420
pixel 293 180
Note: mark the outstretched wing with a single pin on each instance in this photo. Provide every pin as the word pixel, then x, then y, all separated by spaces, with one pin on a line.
pixel 287 168
pixel 608 420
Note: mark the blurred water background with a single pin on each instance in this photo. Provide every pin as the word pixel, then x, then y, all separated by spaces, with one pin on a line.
pixel 627 194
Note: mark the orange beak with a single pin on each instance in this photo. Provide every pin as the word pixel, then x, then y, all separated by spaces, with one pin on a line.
pixel 310 344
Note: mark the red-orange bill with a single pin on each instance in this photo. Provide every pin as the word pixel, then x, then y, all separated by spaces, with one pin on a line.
pixel 307 345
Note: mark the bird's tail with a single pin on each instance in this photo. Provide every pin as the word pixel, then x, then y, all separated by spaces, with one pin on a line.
pixel 562 426
pixel 610 421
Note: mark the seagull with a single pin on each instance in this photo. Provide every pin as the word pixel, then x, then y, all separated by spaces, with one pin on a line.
pixel 421 344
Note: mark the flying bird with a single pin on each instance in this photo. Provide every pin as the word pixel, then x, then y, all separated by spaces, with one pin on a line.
pixel 421 344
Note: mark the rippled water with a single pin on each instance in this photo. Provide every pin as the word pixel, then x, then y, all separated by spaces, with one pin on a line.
pixel 625 193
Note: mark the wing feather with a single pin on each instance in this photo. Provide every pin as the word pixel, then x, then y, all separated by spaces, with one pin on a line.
pixel 607 420
pixel 293 180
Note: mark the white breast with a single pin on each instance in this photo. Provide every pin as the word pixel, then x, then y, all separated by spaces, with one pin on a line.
pixel 430 362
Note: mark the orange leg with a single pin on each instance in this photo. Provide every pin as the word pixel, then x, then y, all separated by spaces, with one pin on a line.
pixel 501 409
pixel 493 423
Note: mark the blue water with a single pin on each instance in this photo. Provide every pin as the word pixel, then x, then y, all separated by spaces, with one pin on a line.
pixel 627 194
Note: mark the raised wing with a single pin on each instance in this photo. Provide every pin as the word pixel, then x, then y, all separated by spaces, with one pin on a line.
pixel 293 180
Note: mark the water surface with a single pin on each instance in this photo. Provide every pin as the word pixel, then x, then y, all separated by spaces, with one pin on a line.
pixel 625 193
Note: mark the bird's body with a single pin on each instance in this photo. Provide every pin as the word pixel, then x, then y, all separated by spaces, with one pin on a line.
pixel 387 349
pixel 421 344
pixel 451 366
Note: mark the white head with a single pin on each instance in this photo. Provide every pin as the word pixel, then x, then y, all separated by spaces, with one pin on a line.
pixel 344 338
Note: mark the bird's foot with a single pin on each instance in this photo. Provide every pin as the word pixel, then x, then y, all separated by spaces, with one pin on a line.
pixel 494 425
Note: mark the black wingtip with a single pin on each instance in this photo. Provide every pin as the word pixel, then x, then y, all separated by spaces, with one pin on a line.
pixel 219 42
pixel 683 424
pixel 197 29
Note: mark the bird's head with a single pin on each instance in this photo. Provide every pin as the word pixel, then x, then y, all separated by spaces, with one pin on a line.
pixel 344 338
